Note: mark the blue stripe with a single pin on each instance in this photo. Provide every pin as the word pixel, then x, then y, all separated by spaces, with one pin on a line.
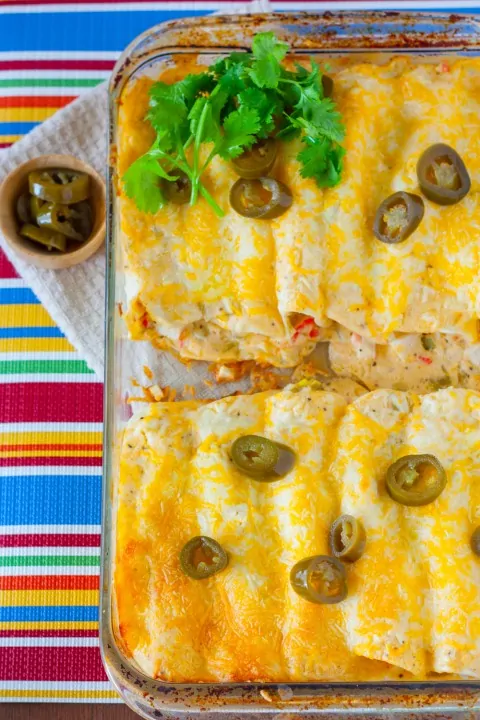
pixel 50 499
pixel 55 613
pixel 17 296
pixel 30 332
pixel 16 128
pixel 105 31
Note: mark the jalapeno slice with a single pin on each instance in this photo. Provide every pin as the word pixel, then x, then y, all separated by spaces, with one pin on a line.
pixel 44 236
pixel 475 541
pixel 202 557
pixel 36 204
pixel 327 84
pixel 347 538
pixel 261 458
pixel 24 213
pixel 178 191
pixel 60 218
pixel 398 217
pixel 260 198
pixel 62 187
pixel 83 220
pixel 320 579
pixel 416 480
pixel 257 161
pixel 442 175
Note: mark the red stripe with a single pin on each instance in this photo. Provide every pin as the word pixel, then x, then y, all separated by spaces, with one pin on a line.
pixel 49 633
pixel 50 582
pixel 7 270
pixel 64 2
pixel 44 101
pixel 51 402
pixel 56 64
pixel 51 663
pixel 5 145
pixel 50 461
pixel 52 446
pixel 51 540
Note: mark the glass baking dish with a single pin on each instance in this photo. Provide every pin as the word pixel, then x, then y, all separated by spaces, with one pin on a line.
pixel 374 35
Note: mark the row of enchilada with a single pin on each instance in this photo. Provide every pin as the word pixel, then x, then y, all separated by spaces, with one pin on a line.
pixel 411 607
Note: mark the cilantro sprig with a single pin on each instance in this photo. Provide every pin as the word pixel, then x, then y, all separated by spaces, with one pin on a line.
pixel 238 101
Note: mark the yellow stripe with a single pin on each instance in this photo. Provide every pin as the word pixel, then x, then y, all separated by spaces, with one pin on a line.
pixel 50 438
pixel 9 138
pixel 49 625
pixel 26 114
pixel 19 598
pixel 59 693
pixel 25 316
pixel 35 345
pixel 50 453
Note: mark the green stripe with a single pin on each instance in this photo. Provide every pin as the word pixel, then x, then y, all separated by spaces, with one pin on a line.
pixel 54 560
pixel 51 82
pixel 18 367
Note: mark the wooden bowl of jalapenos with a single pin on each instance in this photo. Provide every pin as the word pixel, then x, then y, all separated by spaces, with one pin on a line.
pixel 52 211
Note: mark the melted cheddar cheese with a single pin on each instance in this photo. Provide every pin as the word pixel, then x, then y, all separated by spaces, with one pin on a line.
pixel 412 607
pixel 236 289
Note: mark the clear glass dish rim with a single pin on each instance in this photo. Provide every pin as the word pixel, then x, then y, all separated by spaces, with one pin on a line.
pixel 335 31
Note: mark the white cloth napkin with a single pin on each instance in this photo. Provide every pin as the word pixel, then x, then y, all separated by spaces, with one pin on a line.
pixel 75 297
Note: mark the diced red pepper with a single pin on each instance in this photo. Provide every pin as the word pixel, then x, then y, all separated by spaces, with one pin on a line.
pixel 426 360
pixel 302 326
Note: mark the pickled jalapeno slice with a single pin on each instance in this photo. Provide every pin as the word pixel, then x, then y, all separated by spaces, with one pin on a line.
pixel 202 557
pixel 260 198
pixel 63 187
pixel 24 212
pixel 347 538
pixel 442 175
pixel 415 480
pixel 261 458
pixel 257 161
pixel 475 541
pixel 51 239
pixel 36 205
pixel 398 217
pixel 320 579
pixel 60 218
pixel 178 191
pixel 327 85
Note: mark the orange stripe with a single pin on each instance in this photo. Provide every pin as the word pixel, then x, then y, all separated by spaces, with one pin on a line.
pixel 50 582
pixel 48 446
pixel 44 101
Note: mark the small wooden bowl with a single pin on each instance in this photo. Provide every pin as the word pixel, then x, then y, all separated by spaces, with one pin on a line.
pixel 17 182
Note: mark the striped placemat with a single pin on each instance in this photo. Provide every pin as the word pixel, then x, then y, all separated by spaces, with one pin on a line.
pixel 50 403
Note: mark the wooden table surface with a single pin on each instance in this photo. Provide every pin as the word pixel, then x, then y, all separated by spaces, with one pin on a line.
pixel 60 711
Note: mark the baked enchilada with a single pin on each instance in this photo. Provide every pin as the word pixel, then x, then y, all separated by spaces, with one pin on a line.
pixel 279 590
pixel 229 287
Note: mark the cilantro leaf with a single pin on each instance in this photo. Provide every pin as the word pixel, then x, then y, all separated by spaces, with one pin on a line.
pixel 234 79
pixel 205 116
pixel 320 119
pixel 236 58
pixel 167 106
pixel 268 52
pixel 321 160
pixel 142 183
pixel 240 129
pixel 266 103
pixel 193 85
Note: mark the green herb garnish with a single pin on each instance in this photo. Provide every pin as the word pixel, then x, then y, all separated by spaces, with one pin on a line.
pixel 241 99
